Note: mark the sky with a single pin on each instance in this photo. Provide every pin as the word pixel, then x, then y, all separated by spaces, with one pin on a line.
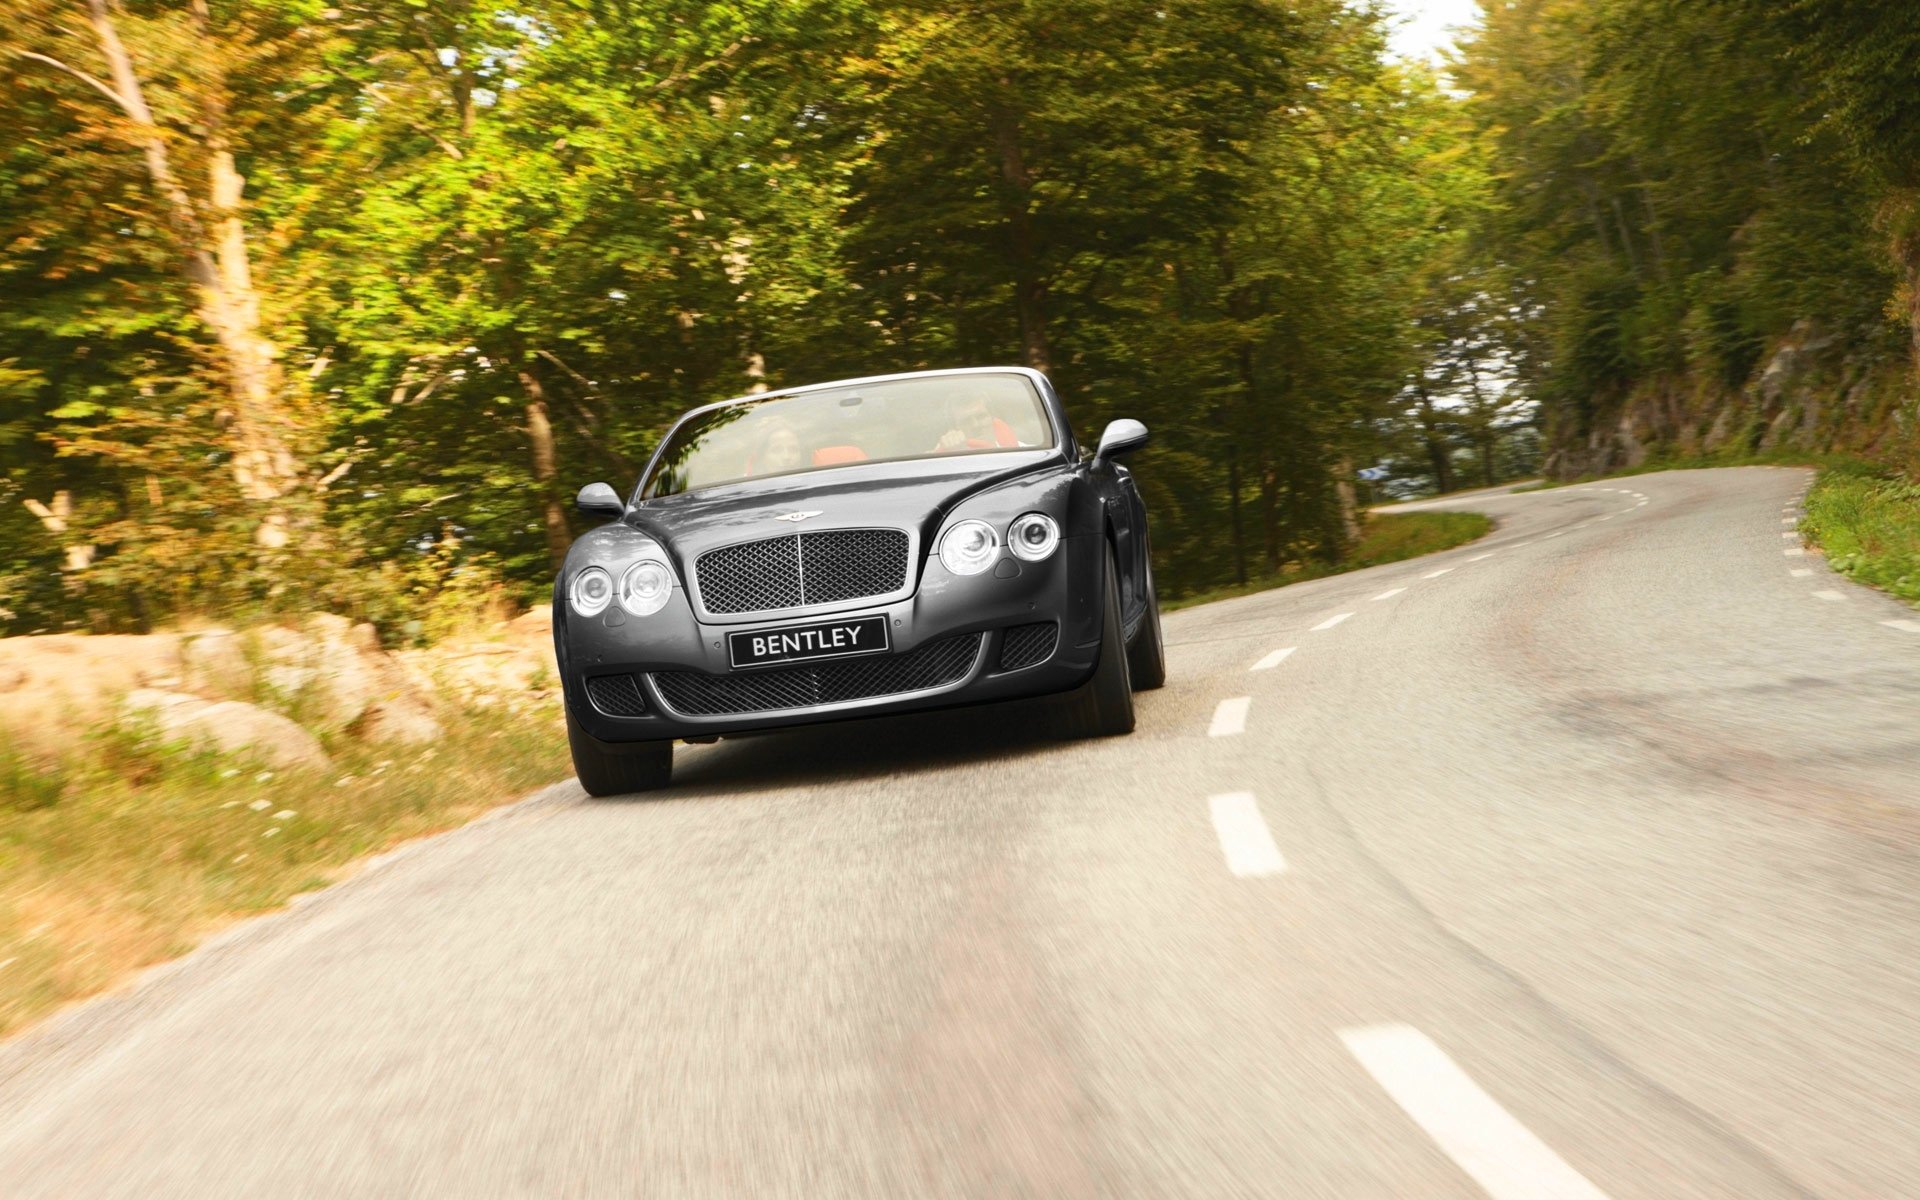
pixel 1425 23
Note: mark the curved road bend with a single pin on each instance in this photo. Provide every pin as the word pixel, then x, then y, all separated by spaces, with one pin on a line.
pixel 1583 861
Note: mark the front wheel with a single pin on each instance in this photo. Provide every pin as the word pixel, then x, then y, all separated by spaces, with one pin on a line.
pixel 1147 657
pixel 617 768
pixel 1103 705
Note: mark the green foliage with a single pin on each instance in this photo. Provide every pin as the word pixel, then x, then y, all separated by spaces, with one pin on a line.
pixel 498 247
pixel 1682 184
pixel 1868 524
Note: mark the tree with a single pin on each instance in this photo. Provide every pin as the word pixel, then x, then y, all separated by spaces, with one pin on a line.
pixel 198 196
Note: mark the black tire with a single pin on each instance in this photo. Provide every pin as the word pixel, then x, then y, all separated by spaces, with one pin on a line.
pixel 1103 705
pixel 618 768
pixel 1147 656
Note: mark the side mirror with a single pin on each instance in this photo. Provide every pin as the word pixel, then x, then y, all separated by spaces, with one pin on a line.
pixel 1121 437
pixel 599 500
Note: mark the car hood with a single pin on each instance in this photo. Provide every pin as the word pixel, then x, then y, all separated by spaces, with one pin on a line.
pixel 914 495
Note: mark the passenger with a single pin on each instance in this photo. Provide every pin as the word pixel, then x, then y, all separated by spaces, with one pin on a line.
pixel 975 427
pixel 780 450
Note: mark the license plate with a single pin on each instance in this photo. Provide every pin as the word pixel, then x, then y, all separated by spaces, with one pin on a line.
pixel 805 643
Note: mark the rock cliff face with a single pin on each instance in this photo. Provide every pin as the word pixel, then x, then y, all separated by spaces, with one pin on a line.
pixel 1812 393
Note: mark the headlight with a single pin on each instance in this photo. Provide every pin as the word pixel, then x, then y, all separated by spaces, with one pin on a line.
pixel 1033 536
pixel 968 548
pixel 590 591
pixel 645 587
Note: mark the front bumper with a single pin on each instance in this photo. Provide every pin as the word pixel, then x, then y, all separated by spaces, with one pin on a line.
pixel 1064 589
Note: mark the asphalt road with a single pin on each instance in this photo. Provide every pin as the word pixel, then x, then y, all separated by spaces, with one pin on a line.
pixel 1583 861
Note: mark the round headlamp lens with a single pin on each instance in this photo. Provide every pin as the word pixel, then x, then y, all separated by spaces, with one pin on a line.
pixel 646 587
pixel 1033 536
pixel 968 548
pixel 591 590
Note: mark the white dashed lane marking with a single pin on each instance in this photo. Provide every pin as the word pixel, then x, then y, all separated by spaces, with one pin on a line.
pixel 1801 572
pixel 1793 552
pixel 1909 626
pixel 1231 717
pixel 1389 594
pixel 1272 660
pixel 1436 574
pixel 1502 1155
pixel 1244 837
pixel 1790 534
pixel 1331 621
pixel 1478 557
pixel 1829 594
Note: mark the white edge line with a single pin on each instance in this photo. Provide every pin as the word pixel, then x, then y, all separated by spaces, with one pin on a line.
pixel 1244 837
pixel 1230 717
pixel 1489 1144
pixel 1272 660
pixel 1331 621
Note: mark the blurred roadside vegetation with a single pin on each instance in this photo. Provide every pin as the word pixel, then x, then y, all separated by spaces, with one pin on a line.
pixel 1867 522
pixel 1706 218
pixel 333 305
pixel 129 848
pixel 316 304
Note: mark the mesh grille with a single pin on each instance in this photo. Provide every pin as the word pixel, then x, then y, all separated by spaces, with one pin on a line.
pixel 699 694
pixel 803 568
pixel 752 576
pixel 1025 645
pixel 617 695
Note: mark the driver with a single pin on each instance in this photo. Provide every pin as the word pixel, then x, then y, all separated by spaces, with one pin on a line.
pixel 974 427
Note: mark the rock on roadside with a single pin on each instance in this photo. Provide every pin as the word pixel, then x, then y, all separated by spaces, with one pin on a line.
pixel 231 726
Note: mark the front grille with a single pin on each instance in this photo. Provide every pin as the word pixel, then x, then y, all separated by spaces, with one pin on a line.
pixel 802 568
pixel 936 664
pixel 617 695
pixel 1025 645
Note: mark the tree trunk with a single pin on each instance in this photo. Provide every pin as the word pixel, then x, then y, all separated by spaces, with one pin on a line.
pixel 1349 503
pixel 1029 282
pixel 1437 450
pixel 78 555
pixel 540 439
pixel 1270 510
pixel 217 264
pixel 1233 506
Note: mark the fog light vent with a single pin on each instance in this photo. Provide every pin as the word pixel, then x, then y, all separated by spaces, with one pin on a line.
pixel 1027 645
pixel 617 695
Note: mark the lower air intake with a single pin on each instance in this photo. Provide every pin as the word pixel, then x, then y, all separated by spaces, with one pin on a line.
pixel 1025 645
pixel 936 664
pixel 617 695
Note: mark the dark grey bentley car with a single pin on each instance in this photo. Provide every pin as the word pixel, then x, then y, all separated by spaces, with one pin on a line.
pixel 849 549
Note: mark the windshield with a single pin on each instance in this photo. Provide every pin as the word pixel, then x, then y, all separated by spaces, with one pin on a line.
pixel 933 416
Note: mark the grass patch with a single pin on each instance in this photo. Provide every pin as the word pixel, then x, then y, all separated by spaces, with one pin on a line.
pixel 128 850
pixel 1867 522
pixel 1387 537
